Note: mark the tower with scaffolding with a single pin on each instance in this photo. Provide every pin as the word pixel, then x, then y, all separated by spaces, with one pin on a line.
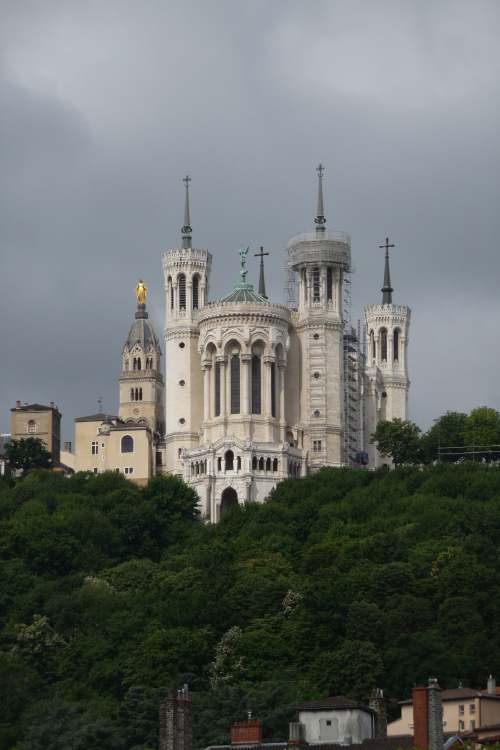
pixel 318 290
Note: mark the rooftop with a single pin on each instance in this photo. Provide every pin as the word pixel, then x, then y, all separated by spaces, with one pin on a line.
pixel 455 694
pixel 334 702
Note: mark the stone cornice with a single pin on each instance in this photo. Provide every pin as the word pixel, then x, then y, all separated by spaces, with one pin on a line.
pixel 181 333
pixel 243 312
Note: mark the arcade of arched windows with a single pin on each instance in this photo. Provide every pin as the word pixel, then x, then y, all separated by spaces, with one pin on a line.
pixel 293 469
pixel 136 394
pixel 385 345
pixel 244 380
pixel 186 292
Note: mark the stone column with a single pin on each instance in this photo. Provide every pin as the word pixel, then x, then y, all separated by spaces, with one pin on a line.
pixel 222 361
pixel 175 311
pixel 206 366
pixel 246 361
pixel 281 382
pixel 189 294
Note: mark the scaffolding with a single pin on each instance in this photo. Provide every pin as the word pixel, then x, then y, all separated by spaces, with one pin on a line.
pixel 352 380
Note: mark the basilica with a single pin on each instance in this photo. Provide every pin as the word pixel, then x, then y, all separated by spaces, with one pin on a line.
pixel 253 391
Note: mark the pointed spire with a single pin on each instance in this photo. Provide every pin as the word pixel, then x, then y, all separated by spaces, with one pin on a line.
pixel 320 220
pixel 387 289
pixel 186 229
pixel 262 281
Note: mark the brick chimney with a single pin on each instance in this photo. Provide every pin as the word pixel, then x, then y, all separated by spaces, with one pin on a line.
pixel 377 704
pixel 428 716
pixel 18 404
pixel 176 731
pixel 247 732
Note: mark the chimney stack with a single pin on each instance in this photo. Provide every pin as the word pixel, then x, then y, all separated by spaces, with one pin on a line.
pixel 18 404
pixel 247 732
pixel 428 716
pixel 176 732
pixel 492 685
pixel 377 704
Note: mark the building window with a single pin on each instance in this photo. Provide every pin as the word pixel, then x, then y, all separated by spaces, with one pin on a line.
pixel 131 394
pixel 383 344
pixel 261 464
pixel 329 284
pixel 273 389
pixel 254 463
pixel 304 282
pixel 181 282
pixel 182 383
pixel 256 384
pixel 317 446
pixel 196 287
pixel 182 345
pixel 95 447
pixel 472 708
pixel 171 288
pixel 316 285
pixel 472 724
pixel 32 427
pixel 461 709
pixel 461 725
pixel 219 464
pixel 275 464
pixel 228 461
pixel 129 470
pixel 373 345
pixel 235 384
pixel 268 464
pixel 127 444
pixel 96 470
pixel 316 413
pixel 217 390
pixel 395 345
pixel 238 463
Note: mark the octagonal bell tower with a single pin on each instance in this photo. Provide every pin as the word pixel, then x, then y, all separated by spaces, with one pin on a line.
pixel 186 273
pixel 386 372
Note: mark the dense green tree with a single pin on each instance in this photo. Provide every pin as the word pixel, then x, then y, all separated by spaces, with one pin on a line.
pixel 447 433
pixel 399 440
pixel 26 454
pixel 482 428
pixel 112 594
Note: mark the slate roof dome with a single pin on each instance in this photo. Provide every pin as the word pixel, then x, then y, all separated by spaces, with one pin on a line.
pixel 245 293
pixel 142 331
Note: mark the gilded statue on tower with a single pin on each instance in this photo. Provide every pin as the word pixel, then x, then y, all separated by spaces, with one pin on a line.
pixel 141 292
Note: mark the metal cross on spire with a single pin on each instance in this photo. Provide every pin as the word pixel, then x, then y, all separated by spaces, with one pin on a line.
pixel 320 220
pixel 387 289
pixel 186 229
pixel 262 281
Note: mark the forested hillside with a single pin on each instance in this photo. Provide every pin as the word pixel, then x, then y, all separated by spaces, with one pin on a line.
pixel 111 594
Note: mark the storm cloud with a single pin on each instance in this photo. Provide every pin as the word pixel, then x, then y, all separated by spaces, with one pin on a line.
pixel 106 104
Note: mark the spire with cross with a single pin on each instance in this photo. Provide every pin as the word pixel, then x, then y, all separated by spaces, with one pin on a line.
pixel 387 289
pixel 262 281
pixel 186 229
pixel 320 220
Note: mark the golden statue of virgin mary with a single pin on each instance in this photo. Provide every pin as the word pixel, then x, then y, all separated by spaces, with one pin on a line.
pixel 141 292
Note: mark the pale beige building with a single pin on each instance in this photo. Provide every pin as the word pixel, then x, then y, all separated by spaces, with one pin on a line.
pixel 464 709
pixel 38 421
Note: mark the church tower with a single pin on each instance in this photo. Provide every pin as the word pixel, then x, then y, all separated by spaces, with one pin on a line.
pixel 186 274
pixel 387 383
pixel 320 259
pixel 141 381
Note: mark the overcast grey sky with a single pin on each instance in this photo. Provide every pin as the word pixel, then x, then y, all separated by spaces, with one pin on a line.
pixel 106 104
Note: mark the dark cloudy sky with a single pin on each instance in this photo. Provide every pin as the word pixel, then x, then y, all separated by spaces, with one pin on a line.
pixel 106 104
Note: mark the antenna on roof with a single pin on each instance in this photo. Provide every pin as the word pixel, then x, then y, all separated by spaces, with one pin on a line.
pixel 99 404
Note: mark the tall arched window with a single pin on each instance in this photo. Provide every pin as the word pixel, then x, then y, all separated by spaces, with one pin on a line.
pixel 181 283
pixel 275 464
pixel 139 363
pixel 31 426
pixel 304 282
pixel 383 344
pixel 171 292
pixel 217 390
pixel 132 394
pixel 228 461
pixel 254 463
pixel 256 384
pixel 268 464
pixel 261 463
pixel 316 285
pixel 127 444
pixel 373 345
pixel 196 291
pixel 395 345
pixel 235 384
pixel 140 394
pixel 329 284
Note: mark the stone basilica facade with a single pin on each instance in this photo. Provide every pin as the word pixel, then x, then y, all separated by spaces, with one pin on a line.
pixel 254 391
